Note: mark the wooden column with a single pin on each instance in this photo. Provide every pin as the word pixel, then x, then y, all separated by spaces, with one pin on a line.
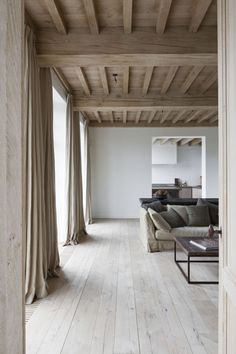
pixel 11 250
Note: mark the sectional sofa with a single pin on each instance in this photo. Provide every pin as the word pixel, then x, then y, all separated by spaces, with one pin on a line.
pixel 155 239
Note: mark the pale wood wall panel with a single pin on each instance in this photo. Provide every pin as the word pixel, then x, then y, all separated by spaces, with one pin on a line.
pixel 11 127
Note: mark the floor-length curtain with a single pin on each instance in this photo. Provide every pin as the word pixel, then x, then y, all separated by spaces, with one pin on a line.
pixel 75 216
pixel 49 168
pixel 38 248
pixel 86 172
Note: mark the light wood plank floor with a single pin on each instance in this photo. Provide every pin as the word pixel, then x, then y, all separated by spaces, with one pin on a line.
pixel 113 297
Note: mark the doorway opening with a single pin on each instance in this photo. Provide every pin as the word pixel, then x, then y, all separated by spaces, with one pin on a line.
pixel 179 167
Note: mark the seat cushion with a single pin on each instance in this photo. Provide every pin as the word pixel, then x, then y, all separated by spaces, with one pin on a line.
pixel 182 231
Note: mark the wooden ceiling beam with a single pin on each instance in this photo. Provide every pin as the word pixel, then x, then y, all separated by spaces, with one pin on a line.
pixel 126 80
pixel 103 75
pixel 125 113
pixel 195 141
pixel 151 116
pixel 175 140
pixel 164 141
pixel 185 141
pixel 111 116
pixel 138 116
pixel 85 115
pixel 127 15
pixel 191 78
pixel 207 116
pixel 199 12
pixel 141 104
pixel 169 78
pixel 144 124
pixel 71 60
pixel 192 117
pixel 97 116
pixel 63 79
pixel 82 49
pixel 213 119
pixel 147 79
pixel 83 81
pixel 28 21
pixel 208 82
pixel 165 116
pixel 91 16
pixel 110 41
pixel 163 14
pixel 179 116
pixel 56 15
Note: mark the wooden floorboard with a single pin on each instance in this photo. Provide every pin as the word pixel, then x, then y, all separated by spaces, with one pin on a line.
pixel 115 298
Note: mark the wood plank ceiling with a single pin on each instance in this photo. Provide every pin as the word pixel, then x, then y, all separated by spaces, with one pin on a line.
pixel 132 63
pixel 178 141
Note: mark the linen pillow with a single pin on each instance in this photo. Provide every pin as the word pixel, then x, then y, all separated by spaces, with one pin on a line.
pixel 180 210
pixel 213 210
pixel 157 206
pixel 198 215
pixel 173 218
pixel 158 220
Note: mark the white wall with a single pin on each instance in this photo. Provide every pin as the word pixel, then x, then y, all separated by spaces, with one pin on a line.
pixel 121 161
pixel 188 167
pixel 164 153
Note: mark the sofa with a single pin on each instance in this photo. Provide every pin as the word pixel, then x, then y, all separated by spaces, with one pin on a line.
pixel 154 239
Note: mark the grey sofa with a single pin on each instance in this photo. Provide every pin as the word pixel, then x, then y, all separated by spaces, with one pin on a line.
pixel 158 240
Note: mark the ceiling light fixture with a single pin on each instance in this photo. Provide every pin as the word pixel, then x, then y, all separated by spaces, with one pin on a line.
pixel 115 77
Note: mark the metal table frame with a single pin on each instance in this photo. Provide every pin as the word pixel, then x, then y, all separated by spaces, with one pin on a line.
pixel 189 261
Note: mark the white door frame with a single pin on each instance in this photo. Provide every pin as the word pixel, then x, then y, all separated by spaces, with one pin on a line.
pixel 227 158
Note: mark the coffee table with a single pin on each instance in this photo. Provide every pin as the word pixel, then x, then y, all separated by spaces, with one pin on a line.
pixel 193 252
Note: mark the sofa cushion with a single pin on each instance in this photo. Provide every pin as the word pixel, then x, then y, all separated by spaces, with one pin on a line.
pixel 182 231
pixel 213 210
pixel 181 211
pixel 173 218
pixel 159 222
pixel 198 215
pixel 157 206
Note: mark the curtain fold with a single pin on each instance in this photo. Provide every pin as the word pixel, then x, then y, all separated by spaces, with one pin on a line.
pixel 86 172
pixel 41 234
pixel 49 176
pixel 75 215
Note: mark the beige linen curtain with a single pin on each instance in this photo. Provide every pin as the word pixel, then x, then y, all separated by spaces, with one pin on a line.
pixel 49 175
pixel 41 257
pixel 86 172
pixel 75 215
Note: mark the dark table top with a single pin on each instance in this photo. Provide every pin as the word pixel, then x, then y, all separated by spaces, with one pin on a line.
pixel 191 250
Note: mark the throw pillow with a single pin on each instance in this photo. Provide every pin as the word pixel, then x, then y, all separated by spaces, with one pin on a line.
pixel 198 215
pixel 157 206
pixel 181 211
pixel 173 218
pixel 213 210
pixel 159 221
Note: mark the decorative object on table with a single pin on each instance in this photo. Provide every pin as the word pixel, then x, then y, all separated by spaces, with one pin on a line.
pixel 206 244
pixel 177 182
pixel 211 231
pixel 161 193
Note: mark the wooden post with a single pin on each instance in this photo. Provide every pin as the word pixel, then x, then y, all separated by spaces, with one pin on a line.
pixel 11 242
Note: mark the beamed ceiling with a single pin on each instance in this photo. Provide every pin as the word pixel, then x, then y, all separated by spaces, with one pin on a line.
pixel 132 62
